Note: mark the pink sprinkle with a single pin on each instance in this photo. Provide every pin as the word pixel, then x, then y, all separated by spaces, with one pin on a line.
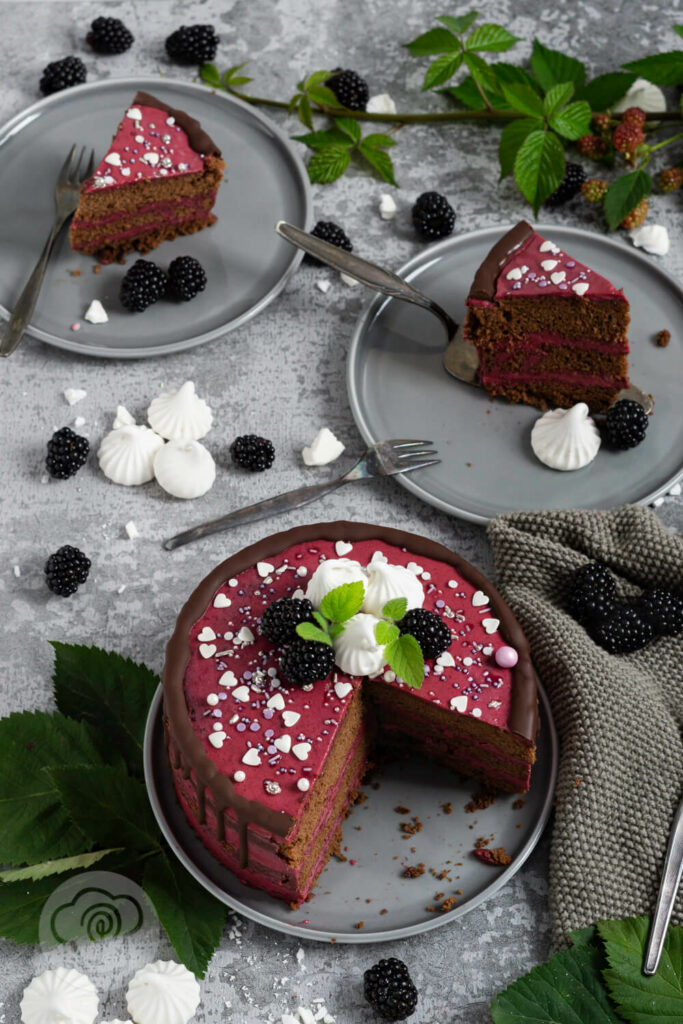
pixel 76 327
pixel 506 657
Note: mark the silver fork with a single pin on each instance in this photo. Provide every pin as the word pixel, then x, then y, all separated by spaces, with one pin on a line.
pixel 386 458
pixel 67 192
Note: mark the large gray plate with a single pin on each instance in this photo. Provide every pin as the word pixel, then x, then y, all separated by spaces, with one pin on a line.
pixel 398 388
pixel 378 851
pixel 246 263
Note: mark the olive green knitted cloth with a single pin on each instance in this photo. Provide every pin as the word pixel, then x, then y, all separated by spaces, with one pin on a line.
pixel 618 716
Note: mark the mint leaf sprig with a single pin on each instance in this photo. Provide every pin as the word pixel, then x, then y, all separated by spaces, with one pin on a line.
pixel 401 650
pixel 336 608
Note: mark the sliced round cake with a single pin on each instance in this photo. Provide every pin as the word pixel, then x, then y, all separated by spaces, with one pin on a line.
pixel 269 739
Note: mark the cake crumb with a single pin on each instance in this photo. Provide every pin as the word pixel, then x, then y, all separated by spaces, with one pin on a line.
pixel 384 911
pixel 481 842
pixel 75 273
pixel 496 856
pixel 402 810
pixel 97 268
pixel 663 338
pixel 480 801
pixel 577 781
pixel 359 924
pixel 414 871
pixel 447 808
pixel 410 828
pixel 449 904
pixel 518 804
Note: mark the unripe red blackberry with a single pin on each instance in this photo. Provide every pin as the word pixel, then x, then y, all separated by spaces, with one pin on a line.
pixel 670 179
pixel 626 138
pixel 594 190
pixel 592 145
pixel 637 216
pixel 634 115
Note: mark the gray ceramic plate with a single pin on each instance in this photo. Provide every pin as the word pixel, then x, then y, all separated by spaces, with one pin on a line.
pixel 398 388
pixel 377 851
pixel 246 264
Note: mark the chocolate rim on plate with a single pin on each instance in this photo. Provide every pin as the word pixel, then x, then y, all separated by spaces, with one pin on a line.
pixel 187 748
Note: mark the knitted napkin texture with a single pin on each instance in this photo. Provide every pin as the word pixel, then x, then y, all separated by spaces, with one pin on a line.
pixel 618 716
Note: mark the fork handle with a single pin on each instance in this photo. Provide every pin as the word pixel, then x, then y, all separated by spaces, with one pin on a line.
pixel 671 879
pixel 261 510
pixel 23 311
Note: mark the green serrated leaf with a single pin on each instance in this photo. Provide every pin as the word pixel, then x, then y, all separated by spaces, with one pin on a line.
pixel 316 78
pixel 557 97
pixel 324 96
pixel 109 692
pixel 551 67
pixel 316 140
pixel 304 112
pixel 395 609
pixel 79 862
pixel 307 631
pixel 605 90
pixel 539 167
pixel 210 74
pixel 240 80
pixel 523 98
pixel 20 907
pixel 640 999
pixel 404 656
pixel 460 24
pixel 440 70
pixel 379 161
pixel 328 163
pixel 573 121
pixel 467 93
pixel 480 71
pixel 625 193
pixel 385 632
pixel 294 103
pixel 661 68
pixel 583 936
pixel 342 603
pixel 378 140
pixel 511 73
pixel 490 37
pixel 348 127
pixel 321 620
pixel 193 918
pixel 511 138
pixel 436 40
pixel 678 29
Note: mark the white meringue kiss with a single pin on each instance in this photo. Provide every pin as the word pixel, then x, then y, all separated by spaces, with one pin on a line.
pixel 126 455
pixel 356 650
pixel 386 582
pixel 184 469
pixel 180 414
pixel 331 573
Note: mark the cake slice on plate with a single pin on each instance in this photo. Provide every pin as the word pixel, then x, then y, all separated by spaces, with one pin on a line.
pixel 548 329
pixel 158 180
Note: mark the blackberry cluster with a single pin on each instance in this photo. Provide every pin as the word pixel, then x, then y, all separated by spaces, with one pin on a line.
pixel 350 89
pixel 429 629
pixel 65 570
pixel 144 284
pixel 433 216
pixel 390 990
pixel 663 610
pixel 186 278
pixel 62 74
pixel 109 35
pixel 332 233
pixel 626 424
pixel 252 452
pixel 622 631
pixel 306 661
pixel 593 592
pixel 280 619
pixel 66 453
pixel 570 186
pixel 192 44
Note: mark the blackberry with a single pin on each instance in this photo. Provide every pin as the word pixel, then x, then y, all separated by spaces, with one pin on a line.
pixel 280 619
pixel 429 629
pixel 593 592
pixel 574 177
pixel 192 44
pixel 252 452
pixel 350 89
pixel 390 990
pixel 66 453
pixel 663 609
pixel 306 661
pixel 65 570
pixel 62 74
pixel 433 216
pixel 186 278
pixel 109 35
pixel 626 424
pixel 623 630
pixel 332 233
pixel 142 285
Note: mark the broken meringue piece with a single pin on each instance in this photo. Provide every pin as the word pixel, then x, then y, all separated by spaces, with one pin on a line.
pixel 126 454
pixel 324 448
pixel 180 414
pixel 184 469
pixel 163 993
pixel 62 996
pixel 565 439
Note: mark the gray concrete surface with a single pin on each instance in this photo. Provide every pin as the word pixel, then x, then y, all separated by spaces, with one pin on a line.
pixel 283 375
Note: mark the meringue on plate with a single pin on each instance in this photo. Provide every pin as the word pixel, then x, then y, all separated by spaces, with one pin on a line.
pixel 566 439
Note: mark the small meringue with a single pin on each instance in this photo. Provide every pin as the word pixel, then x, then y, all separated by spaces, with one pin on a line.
pixel 382 103
pixel 386 582
pixel 74 395
pixel 387 206
pixel 126 455
pixel 646 95
pixel 653 238
pixel 180 414
pixel 565 439
pixel 331 573
pixel 96 313
pixel 324 448
pixel 62 996
pixel 184 469
pixel 356 650
pixel 163 993
pixel 123 418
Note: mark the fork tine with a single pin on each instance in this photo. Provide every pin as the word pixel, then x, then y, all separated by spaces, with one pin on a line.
pixel 414 454
pixel 63 175
pixel 91 166
pixel 75 176
pixel 402 443
pixel 419 465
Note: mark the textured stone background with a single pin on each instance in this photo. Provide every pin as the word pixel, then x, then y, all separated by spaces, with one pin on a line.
pixel 460 967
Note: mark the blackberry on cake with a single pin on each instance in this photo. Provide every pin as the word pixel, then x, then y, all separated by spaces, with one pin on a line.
pixel 62 74
pixel 66 569
pixel 433 216
pixel 332 233
pixel 350 89
pixel 142 285
pixel 192 44
pixel 390 990
pixel 626 424
pixel 307 661
pixel 663 609
pixel 429 629
pixel 67 451
pixel 280 619
pixel 109 35
pixel 622 631
pixel 186 278
pixel 253 452
pixel 570 186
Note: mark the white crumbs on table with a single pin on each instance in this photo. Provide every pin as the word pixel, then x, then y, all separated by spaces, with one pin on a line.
pixel 74 395
pixel 131 530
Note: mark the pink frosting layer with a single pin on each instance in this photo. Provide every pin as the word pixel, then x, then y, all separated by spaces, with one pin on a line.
pixel 150 145
pixel 143 229
pixel 238 661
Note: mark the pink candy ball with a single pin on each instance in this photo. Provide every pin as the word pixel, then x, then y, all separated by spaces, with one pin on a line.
pixel 506 657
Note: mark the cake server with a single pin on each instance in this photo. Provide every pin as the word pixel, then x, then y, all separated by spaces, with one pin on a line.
pixel 386 458
pixel 671 879
pixel 67 190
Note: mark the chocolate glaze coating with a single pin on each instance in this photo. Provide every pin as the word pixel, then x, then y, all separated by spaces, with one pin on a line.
pixel 484 284
pixel 199 140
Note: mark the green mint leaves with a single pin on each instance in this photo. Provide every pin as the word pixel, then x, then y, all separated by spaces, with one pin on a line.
pixel 333 149
pixel 336 608
pixel 395 609
pixel 402 651
pixel 599 979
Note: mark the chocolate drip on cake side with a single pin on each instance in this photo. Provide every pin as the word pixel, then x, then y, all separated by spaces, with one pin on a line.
pixel 187 748
pixel 200 141
pixel 484 283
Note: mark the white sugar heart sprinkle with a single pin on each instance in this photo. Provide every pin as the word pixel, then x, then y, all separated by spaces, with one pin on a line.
pixel 228 679
pixel 459 704
pixel 151 158
pixel 276 702
pixel 479 599
pixel 414 567
pixel 283 743
pixel 547 246
pixel 446 660
pixel 558 277
pixel 290 718
pixel 487 651
pixel 490 625
pixel 241 693
pixel 113 158
pixel 217 739
pixel 301 750
pixel 207 650
pixel 514 274
pixel 264 569
pixel 245 636
pixel 581 287
pixel 134 114
pixel 206 635
pixel 252 757
pixel 298 594
pixel 342 548
pixel 549 264
pixel 221 601
pixel 378 556
pixel 342 689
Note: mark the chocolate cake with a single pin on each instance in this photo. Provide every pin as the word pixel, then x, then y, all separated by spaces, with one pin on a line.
pixel 158 180
pixel 548 330
pixel 267 771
